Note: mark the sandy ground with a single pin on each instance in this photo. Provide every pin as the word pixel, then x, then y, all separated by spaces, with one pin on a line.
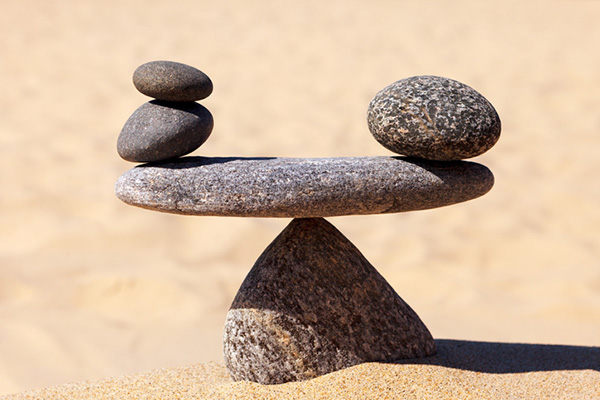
pixel 92 288
pixel 460 370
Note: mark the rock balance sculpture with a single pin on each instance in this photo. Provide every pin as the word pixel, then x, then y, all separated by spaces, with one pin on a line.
pixel 173 124
pixel 311 304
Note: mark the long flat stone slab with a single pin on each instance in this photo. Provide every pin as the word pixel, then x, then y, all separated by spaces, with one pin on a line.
pixel 301 187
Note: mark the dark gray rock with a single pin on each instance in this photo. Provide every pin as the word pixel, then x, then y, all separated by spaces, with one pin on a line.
pixel 172 81
pixel 161 130
pixel 301 187
pixel 433 118
pixel 312 304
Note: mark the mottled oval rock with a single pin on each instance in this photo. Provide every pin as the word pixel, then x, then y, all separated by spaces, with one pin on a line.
pixel 433 118
pixel 312 304
pixel 172 81
pixel 160 130
pixel 301 187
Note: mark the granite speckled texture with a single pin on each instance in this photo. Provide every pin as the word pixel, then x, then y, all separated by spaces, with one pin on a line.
pixel 301 187
pixel 160 130
pixel 433 118
pixel 312 304
pixel 172 81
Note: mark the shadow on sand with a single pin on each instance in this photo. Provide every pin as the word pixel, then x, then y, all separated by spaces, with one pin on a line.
pixel 506 358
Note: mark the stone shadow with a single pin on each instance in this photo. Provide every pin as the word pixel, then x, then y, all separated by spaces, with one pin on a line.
pixel 507 358
pixel 197 161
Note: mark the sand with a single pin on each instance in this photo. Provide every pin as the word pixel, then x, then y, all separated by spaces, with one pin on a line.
pixel 461 369
pixel 92 288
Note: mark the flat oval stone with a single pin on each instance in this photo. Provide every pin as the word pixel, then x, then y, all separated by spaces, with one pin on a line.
pixel 301 187
pixel 172 81
pixel 160 130
pixel 433 118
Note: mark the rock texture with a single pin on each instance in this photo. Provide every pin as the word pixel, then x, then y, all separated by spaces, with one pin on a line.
pixel 172 81
pixel 433 118
pixel 301 187
pixel 312 304
pixel 161 130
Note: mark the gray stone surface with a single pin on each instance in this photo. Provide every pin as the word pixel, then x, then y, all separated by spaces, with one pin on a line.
pixel 434 118
pixel 301 187
pixel 172 81
pixel 312 304
pixel 161 130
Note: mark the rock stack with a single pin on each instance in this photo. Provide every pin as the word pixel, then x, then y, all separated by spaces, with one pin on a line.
pixel 173 124
pixel 312 304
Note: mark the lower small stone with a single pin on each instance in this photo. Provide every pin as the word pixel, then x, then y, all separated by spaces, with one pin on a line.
pixel 312 304
pixel 161 130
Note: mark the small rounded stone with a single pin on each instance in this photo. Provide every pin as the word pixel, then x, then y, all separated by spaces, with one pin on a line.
pixel 161 130
pixel 172 81
pixel 433 118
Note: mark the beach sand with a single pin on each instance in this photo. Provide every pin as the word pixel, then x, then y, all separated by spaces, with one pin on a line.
pixel 460 370
pixel 92 288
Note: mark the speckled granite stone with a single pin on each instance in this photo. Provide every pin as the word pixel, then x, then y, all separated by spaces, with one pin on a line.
pixel 312 304
pixel 301 187
pixel 161 130
pixel 433 118
pixel 172 81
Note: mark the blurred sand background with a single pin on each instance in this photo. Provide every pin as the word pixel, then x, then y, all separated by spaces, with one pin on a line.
pixel 91 288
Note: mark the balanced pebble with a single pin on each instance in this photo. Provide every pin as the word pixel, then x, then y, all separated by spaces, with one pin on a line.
pixel 160 130
pixel 172 81
pixel 433 118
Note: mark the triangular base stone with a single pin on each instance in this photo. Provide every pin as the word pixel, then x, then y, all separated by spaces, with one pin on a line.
pixel 312 304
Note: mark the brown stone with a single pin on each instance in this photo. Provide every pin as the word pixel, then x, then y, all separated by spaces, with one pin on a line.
pixel 312 304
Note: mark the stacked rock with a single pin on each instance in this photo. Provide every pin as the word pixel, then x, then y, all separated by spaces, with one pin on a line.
pixel 433 118
pixel 312 303
pixel 173 124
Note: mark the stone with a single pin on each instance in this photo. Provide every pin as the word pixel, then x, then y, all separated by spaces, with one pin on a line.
pixel 160 130
pixel 433 118
pixel 301 187
pixel 172 81
pixel 312 304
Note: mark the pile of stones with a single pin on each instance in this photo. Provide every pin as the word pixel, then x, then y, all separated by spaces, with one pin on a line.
pixel 173 124
pixel 312 304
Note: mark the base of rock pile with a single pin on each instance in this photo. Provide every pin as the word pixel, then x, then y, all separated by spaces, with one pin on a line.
pixel 312 304
pixel 460 370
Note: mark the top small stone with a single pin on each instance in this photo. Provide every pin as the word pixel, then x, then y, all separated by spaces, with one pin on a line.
pixel 172 81
pixel 433 118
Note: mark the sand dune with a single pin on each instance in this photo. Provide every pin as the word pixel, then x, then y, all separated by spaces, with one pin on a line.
pixel 92 288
